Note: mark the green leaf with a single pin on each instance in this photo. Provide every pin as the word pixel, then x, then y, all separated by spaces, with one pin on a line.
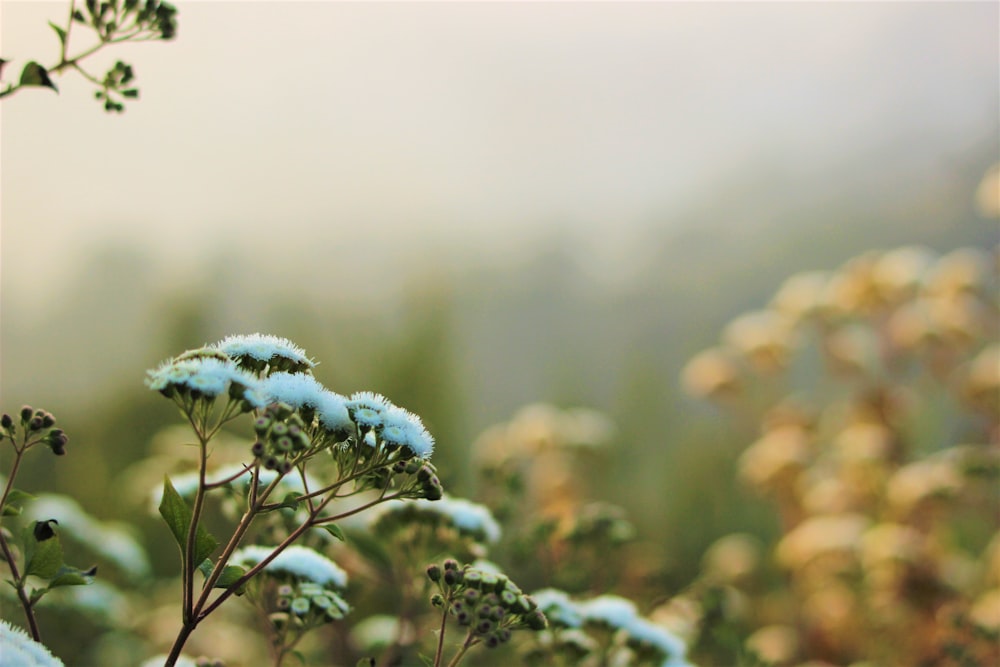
pixel 230 575
pixel 177 514
pixel 45 558
pixel 71 576
pixel 130 92
pixel 290 501
pixel 15 499
pixel 334 530
pixel 34 74
pixel 60 32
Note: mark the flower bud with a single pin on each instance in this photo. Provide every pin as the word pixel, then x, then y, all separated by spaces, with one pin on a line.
pixel 434 573
pixel 536 620
pixel 35 423
pixel 26 413
pixel 451 564
pixel 258 449
pixel 47 419
pixel 6 422
pixel 437 600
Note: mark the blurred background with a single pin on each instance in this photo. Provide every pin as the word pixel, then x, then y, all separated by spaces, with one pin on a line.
pixel 471 207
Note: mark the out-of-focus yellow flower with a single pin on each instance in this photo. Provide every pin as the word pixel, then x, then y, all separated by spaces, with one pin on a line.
pixel 988 193
pixel 801 295
pixel 732 559
pixel 981 386
pixel 681 615
pixel 852 290
pixel 835 534
pixel 763 337
pixel 911 326
pixel 865 442
pixel 775 644
pixel 853 349
pixel 917 482
pixel 825 493
pixel 898 273
pixel 986 610
pixel 832 614
pixel 775 461
pixel 962 270
pixel 711 374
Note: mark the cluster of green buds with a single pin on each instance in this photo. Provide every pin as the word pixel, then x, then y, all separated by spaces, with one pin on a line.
pixel 423 482
pixel 488 603
pixel 37 426
pixel 281 436
pixel 306 604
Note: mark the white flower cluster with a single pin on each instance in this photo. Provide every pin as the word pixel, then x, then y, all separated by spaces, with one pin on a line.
pixel 467 517
pixel 617 613
pixel 17 649
pixel 299 562
pixel 222 367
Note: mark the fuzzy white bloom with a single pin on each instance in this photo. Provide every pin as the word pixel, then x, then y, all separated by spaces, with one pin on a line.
pixel 263 347
pixel 298 561
pixel 657 636
pixel 295 389
pixel 208 375
pixel 111 541
pixel 466 516
pixel 612 610
pixel 17 649
pixel 558 608
pixel 331 408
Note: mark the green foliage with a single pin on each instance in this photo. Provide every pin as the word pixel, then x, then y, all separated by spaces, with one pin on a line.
pixel 111 22
pixel 177 515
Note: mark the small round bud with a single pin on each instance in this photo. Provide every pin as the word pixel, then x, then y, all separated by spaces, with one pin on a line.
pixel 26 413
pixel 451 564
pixel 434 573
pixel 258 449
pixel 452 577
pixel 283 443
pixel 286 467
pixel 425 473
pixel 284 604
pixel 285 590
pixel 485 626
pixel 473 578
pixel 47 420
pixel 261 424
pixel 492 641
pixel 35 423
pixel 6 422
pixel 536 620
pixel 463 618
pixel 279 429
pixel 271 463
pixel 437 600
pixel 472 595
pixel 399 467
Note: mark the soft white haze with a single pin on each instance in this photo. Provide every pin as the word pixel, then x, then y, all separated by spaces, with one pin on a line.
pixel 359 132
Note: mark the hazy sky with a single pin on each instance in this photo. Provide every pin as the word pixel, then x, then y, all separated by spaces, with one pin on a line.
pixel 358 131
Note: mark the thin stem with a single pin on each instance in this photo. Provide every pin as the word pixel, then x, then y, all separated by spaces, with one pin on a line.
pixel 189 547
pixel 440 646
pixel 12 475
pixel 29 610
pixel 469 642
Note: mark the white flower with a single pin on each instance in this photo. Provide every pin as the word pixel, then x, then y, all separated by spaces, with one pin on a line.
pixel 657 636
pixel 17 649
pixel 297 561
pixel 264 348
pixel 612 610
pixel 558 608
pixel 295 389
pixel 467 517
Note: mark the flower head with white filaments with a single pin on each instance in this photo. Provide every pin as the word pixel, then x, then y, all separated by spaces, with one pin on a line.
pixel 467 518
pixel 17 649
pixel 298 562
pixel 205 376
pixel 618 614
pixel 257 351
